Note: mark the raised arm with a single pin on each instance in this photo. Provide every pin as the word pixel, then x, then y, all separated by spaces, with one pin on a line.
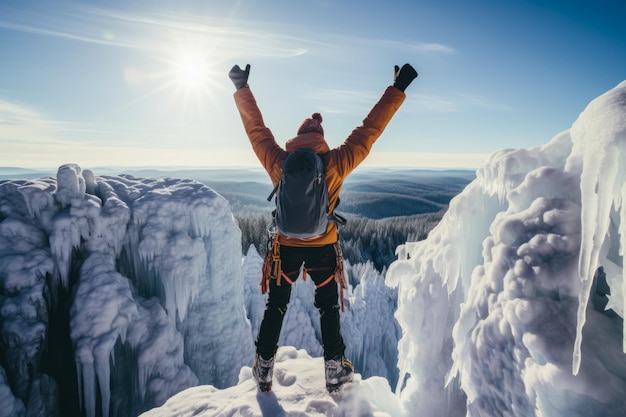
pixel 270 154
pixel 358 144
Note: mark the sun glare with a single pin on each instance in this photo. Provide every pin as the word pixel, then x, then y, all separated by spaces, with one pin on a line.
pixel 186 70
pixel 190 74
pixel 191 70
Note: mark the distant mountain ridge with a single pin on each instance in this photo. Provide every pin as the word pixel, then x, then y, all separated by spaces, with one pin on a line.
pixel 374 193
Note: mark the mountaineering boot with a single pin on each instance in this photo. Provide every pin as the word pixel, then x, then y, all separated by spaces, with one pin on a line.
pixel 339 370
pixel 263 370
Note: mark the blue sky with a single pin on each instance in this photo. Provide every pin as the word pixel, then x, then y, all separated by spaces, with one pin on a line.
pixel 144 83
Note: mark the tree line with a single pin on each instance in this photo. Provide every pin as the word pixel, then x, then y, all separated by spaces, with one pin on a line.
pixel 362 239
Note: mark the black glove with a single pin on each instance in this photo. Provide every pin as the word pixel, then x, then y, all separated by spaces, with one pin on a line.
pixel 239 77
pixel 403 76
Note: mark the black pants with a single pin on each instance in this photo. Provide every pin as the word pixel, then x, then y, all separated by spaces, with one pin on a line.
pixel 322 260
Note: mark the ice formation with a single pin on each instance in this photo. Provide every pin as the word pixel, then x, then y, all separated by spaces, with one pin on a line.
pixel 599 153
pixel 368 324
pixel 150 272
pixel 493 304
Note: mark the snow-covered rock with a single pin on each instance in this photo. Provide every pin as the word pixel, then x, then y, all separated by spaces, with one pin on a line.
pixel 493 304
pixel 145 273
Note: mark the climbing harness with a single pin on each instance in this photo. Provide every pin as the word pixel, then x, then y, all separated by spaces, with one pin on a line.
pixel 272 269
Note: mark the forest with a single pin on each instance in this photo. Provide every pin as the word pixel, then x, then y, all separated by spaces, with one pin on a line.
pixel 362 239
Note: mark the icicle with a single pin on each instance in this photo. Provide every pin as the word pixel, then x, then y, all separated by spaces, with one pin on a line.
pixel 597 190
pixel 89 389
pixel 598 137
pixel 142 376
pixel 103 372
pixel 622 232
pixel 79 377
pixel 401 253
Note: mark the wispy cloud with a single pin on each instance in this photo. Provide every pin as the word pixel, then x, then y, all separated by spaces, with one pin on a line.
pixel 150 31
pixel 25 126
pixel 343 101
pixel 476 100
pixel 353 101
pixel 28 138
pixel 434 103
pixel 20 124
pixel 410 46
pixel 227 36
pixel 72 25
pixel 452 103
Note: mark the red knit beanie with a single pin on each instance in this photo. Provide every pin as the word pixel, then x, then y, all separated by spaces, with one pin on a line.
pixel 312 124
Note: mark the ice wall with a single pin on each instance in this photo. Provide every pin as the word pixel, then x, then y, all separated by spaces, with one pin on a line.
pixel 369 327
pixel 493 303
pixel 26 274
pixel 252 265
pixel 9 405
pixel 151 272
pixel 599 153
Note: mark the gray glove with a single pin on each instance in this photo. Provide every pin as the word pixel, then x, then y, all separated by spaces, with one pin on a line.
pixel 239 77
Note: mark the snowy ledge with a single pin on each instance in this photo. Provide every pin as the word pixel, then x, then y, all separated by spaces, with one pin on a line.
pixel 298 390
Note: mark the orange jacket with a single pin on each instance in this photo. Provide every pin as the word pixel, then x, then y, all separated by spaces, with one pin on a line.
pixel 339 162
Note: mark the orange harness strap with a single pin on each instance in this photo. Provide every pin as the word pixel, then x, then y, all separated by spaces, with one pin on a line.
pixel 330 278
pixel 285 277
pixel 272 270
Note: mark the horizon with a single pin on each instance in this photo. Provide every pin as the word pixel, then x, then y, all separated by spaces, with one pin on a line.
pixel 409 160
pixel 14 170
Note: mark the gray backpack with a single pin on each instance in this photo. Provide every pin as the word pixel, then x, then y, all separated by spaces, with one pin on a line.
pixel 302 197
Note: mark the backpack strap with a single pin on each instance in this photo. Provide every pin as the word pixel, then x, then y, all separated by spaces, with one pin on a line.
pixel 336 217
pixel 269 198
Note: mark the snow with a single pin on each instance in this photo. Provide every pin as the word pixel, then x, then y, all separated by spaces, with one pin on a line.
pixel 298 390
pixel 11 406
pixel 513 306
pixel 147 271
pixel 599 138
pixel 369 325
pixel 493 304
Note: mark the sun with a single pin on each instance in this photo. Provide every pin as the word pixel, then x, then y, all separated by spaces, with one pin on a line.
pixel 186 73
pixel 190 74
pixel 191 70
